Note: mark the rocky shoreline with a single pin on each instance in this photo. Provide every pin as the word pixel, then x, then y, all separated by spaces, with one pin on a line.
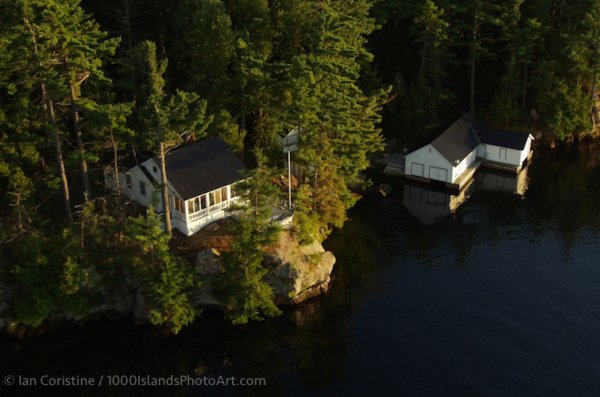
pixel 296 273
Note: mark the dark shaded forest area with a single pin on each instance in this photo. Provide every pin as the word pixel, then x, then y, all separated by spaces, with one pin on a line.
pixel 81 82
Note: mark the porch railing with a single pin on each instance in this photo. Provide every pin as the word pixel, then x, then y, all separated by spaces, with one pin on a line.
pixel 206 211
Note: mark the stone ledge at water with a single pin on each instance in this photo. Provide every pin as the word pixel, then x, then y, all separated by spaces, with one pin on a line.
pixel 296 272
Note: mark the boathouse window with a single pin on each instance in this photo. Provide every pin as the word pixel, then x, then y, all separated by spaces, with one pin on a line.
pixel 142 188
pixel 502 153
pixel 128 181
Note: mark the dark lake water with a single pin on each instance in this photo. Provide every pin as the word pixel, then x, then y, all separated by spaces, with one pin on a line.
pixel 496 293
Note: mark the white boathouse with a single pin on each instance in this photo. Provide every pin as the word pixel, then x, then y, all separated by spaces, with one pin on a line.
pixel 458 149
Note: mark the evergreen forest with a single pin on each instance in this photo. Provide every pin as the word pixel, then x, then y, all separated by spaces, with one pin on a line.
pixel 83 82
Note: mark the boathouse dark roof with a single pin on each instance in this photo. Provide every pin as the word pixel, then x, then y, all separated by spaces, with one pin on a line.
pixel 508 139
pixel 454 140
pixel 201 167
pixel 458 140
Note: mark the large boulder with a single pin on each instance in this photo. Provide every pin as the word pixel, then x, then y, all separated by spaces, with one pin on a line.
pixel 298 272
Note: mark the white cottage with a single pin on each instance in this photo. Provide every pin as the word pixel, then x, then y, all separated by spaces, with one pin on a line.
pixel 201 176
pixel 461 146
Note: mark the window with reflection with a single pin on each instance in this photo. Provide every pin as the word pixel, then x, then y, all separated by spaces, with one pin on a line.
pixel 224 193
pixel 179 205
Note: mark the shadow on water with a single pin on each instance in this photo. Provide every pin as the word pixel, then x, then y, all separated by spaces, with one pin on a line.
pixel 395 256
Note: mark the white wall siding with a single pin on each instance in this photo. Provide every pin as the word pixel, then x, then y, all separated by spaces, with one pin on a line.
pixel 481 150
pixel 503 155
pixel 526 150
pixel 134 192
pixel 463 165
pixel 428 157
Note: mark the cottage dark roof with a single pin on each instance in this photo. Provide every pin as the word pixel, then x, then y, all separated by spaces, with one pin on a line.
pixel 458 140
pixel 509 139
pixel 201 167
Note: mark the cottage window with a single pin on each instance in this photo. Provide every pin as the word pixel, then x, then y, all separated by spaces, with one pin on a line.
pixel 154 169
pixel 179 205
pixel 128 181
pixel 233 190
pixel 203 202
pixel 224 193
pixel 142 188
pixel 194 205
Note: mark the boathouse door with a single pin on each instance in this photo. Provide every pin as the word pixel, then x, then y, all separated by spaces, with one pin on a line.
pixel 438 174
pixel 417 169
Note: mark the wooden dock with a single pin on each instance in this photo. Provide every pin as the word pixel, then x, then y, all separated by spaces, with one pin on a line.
pixel 393 164
pixel 467 175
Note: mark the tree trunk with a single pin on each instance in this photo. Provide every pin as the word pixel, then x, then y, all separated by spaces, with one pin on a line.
pixel 165 189
pixel 115 149
pixel 560 16
pixel 594 88
pixel 54 131
pixel 524 93
pixel 423 56
pixel 55 136
pixel 77 127
pixel 127 18
pixel 472 62
pixel 593 107
pixel 243 111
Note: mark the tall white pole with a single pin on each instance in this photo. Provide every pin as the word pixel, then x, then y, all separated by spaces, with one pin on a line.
pixel 290 179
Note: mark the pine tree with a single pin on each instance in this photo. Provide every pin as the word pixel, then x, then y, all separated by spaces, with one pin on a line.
pixel 241 285
pixel 590 40
pixel 109 126
pixel 431 31
pixel 339 121
pixel 203 48
pixel 32 47
pixel 166 118
pixel 166 280
pixel 475 20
